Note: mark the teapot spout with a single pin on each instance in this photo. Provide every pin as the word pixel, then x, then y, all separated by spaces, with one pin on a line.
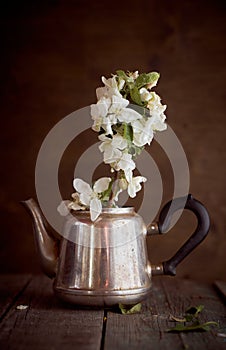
pixel 47 246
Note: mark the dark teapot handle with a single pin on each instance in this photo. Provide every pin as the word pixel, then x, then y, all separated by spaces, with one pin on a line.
pixel 169 267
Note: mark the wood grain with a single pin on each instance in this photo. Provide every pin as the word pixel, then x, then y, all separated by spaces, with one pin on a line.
pixel 49 324
pixel 148 330
pixel 11 288
pixel 221 287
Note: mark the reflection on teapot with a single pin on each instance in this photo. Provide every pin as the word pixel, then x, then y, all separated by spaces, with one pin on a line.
pixel 105 262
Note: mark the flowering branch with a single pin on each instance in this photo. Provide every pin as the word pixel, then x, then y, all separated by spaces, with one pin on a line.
pixel 123 130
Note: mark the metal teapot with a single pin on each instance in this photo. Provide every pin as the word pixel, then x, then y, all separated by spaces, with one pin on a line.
pixel 105 262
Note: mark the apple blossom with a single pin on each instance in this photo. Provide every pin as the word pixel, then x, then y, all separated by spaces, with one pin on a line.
pixel 142 132
pixel 135 185
pixel 145 95
pixel 90 197
pixel 112 147
pixel 123 133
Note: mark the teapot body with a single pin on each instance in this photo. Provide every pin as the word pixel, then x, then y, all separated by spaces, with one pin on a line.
pixel 105 262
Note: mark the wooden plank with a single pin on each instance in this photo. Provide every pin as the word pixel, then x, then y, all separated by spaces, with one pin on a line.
pixel 49 324
pixel 147 330
pixel 221 287
pixel 185 293
pixel 11 286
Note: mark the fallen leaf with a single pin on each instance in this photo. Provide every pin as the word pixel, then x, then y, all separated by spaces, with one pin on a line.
pixel 128 309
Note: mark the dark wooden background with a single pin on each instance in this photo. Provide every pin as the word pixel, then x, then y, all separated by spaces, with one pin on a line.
pixel 52 56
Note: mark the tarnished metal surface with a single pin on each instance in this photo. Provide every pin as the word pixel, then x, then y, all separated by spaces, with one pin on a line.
pixel 108 268
pixel 157 269
pixel 153 229
pixel 105 262
pixel 46 245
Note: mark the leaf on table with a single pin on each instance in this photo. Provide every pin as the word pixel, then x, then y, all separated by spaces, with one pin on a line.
pixel 191 321
pixel 130 309
pixel 194 310
pixel 177 319
pixel 194 327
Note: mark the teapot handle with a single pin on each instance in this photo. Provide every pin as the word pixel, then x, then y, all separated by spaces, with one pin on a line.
pixel 169 267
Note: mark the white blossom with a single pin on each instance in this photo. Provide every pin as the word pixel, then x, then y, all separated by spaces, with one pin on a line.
pixel 111 88
pixel 133 76
pixel 128 115
pixel 134 185
pixel 90 197
pixel 121 84
pixel 108 111
pixel 119 110
pixel 123 132
pixel 142 132
pixel 145 95
pixel 158 122
pixel 125 163
pixel 112 148
pixel 66 205
pixel 154 105
pixel 99 113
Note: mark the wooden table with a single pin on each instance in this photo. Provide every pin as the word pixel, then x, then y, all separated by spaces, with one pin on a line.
pixel 48 324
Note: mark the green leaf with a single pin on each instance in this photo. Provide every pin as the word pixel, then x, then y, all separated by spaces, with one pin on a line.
pixel 146 78
pixel 191 317
pixel 127 132
pixel 121 74
pixel 128 309
pixel 193 312
pixel 135 96
pixel 194 327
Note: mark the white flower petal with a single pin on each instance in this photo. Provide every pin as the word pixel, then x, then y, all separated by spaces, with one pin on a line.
pixel 145 95
pixel 127 115
pixel 131 191
pixel 100 109
pixel 157 122
pixel 95 208
pixel 101 184
pixel 118 103
pixel 134 186
pixel 112 155
pixel 111 88
pixel 109 147
pixel 154 105
pixel 142 132
pixel 121 84
pixel 119 142
pixel 111 82
pixel 128 175
pixel 75 206
pixel 85 198
pixel 100 92
pixel 82 186
pixel 126 162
